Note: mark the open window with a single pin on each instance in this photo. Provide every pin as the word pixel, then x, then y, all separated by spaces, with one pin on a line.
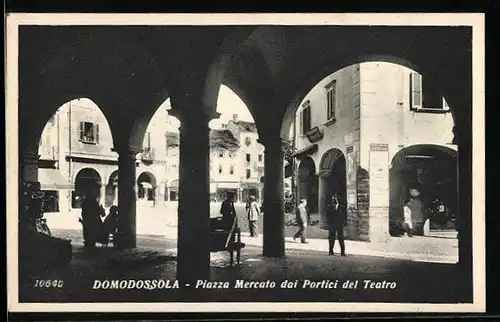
pixel 89 132
pixel 424 96
pixel 305 118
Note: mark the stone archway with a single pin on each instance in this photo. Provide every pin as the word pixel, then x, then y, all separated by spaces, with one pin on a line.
pixel 332 172
pixel 87 181
pixel 432 170
pixel 146 187
pixel 308 183
pixel 173 191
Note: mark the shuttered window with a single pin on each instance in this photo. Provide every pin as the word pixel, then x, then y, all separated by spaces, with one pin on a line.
pixel 416 91
pixel 331 100
pixel 305 122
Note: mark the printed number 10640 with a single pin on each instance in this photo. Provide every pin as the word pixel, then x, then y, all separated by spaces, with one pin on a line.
pixel 49 283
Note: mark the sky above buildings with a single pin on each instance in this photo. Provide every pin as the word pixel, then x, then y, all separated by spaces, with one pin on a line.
pixel 228 104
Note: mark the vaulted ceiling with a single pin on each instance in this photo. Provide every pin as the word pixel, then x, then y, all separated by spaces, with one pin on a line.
pixel 131 70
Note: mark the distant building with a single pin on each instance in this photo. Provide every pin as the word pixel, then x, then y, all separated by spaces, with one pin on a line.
pixel 236 160
pixel 76 156
pixel 250 157
pixel 370 132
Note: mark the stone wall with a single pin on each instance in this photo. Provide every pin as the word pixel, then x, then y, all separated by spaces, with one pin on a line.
pixel 363 198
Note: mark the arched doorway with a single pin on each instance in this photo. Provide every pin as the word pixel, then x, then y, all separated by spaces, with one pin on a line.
pixel 173 191
pixel 333 176
pixel 332 179
pixel 308 183
pixel 432 170
pixel 146 188
pixel 87 180
pixel 112 190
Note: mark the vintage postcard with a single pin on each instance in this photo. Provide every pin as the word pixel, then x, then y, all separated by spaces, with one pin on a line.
pixel 245 162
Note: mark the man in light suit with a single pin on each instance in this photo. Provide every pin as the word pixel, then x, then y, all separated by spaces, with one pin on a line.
pixel 301 217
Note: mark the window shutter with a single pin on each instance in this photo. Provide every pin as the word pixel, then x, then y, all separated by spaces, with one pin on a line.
pixel 334 99
pixel 96 133
pixel 416 91
pixel 301 122
pixel 308 116
pixel 327 103
pixel 82 132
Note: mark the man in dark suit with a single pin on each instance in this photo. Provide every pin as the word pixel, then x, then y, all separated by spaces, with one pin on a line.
pixel 228 211
pixel 337 217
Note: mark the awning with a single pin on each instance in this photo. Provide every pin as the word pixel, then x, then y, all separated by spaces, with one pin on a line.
pixel 305 151
pixel 228 185
pixel 147 185
pixel 174 185
pixel 52 179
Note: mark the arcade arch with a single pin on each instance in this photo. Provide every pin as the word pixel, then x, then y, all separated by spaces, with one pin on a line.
pixel 146 187
pixel 432 169
pixel 308 183
pixel 332 179
pixel 87 181
pixel 275 89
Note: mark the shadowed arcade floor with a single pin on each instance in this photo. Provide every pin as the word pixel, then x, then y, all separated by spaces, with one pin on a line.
pixel 418 282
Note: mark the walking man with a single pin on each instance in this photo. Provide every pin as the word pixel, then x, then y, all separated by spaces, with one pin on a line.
pixel 301 217
pixel 336 214
pixel 253 210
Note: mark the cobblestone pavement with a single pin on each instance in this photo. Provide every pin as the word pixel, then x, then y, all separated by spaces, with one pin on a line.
pixel 415 281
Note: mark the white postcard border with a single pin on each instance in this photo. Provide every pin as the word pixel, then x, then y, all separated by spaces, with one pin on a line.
pixel 475 20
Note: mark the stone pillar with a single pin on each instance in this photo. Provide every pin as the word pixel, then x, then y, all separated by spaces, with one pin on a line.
pixel 464 213
pixel 127 198
pixel 115 193
pixel 322 200
pixel 28 166
pixel 103 194
pixel 28 176
pixel 167 193
pixel 159 199
pixel 193 243
pixel 274 212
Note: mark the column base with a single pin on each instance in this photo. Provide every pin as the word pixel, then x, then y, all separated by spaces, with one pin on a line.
pixel 275 252
pixel 125 241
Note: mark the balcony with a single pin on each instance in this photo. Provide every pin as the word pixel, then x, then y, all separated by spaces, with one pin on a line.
pixel 148 155
pixel 258 165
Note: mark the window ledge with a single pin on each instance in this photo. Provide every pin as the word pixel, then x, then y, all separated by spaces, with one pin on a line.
pixel 330 121
pixel 430 110
pixel 88 142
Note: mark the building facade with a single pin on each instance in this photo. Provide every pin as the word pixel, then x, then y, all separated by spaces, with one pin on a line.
pixel 250 157
pixel 236 160
pixel 369 132
pixel 76 156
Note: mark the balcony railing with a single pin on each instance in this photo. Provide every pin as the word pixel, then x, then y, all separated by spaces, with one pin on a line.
pixel 148 154
pixel 258 165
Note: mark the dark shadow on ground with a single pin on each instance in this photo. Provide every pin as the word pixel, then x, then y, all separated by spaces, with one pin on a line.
pixel 416 282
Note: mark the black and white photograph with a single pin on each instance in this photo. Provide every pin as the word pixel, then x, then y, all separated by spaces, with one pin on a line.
pixel 245 162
